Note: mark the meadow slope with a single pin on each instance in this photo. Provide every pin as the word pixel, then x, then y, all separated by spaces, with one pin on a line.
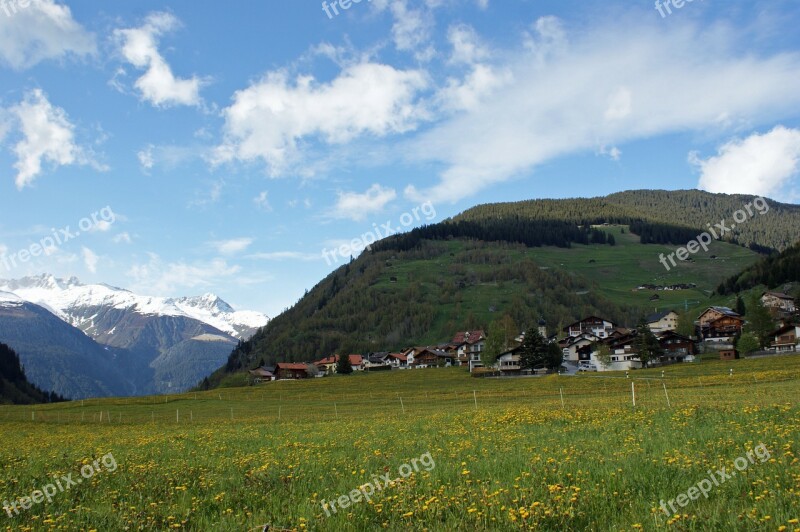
pixel 508 454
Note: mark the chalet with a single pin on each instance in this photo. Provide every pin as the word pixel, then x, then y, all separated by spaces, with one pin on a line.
pixel 677 348
pixel 291 371
pixel 779 302
pixel 593 325
pixel 623 354
pixel 397 360
pixel 719 324
pixel 426 357
pixel 786 339
pixel 327 365
pixel 509 362
pixel 663 321
pixel 577 348
pixel 376 360
pixel 262 374
pixel 468 346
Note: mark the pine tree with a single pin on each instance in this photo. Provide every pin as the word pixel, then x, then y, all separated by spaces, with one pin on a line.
pixel 343 365
pixel 647 346
pixel 741 309
pixel 532 353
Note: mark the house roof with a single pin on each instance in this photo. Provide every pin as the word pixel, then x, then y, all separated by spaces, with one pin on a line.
pixel 434 352
pixel 355 360
pixel 667 334
pixel 658 316
pixel 291 366
pixel 567 328
pixel 779 295
pixel 261 372
pixel 469 337
pixel 510 351
pixel 398 356
pixel 725 311
pixel 570 340
pixel 785 328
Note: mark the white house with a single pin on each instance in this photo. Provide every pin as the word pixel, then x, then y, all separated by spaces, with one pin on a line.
pixel 577 348
pixel 663 321
pixel 599 327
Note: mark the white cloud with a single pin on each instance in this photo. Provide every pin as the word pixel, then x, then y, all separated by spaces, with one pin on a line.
pixel 90 259
pixel 101 226
pixel 145 157
pixel 575 91
pixel 762 165
pixel 262 201
pixel 612 152
pixel 122 238
pixel 158 277
pixel 42 30
pixel 47 136
pixel 268 119
pixel 412 28
pixel 477 86
pixel 232 246
pixel 158 85
pixel 355 206
pixel 467 45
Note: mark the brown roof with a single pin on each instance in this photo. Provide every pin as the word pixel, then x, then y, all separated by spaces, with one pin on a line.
pixel 355 360
pixel 290 365
pixel 468 337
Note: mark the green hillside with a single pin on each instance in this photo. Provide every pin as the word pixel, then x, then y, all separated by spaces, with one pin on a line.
pixel 531 260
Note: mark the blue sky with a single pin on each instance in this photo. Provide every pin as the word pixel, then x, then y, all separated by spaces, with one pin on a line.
pixel 235 143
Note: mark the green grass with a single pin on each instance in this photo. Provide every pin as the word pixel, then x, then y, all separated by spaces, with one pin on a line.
pixel 614 274
pixel 239 458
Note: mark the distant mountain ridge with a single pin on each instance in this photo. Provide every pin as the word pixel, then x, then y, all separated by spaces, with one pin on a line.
pixel 143 344
pixel 70 299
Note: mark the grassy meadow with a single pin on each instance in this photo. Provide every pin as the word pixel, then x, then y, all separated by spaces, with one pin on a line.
pixel 509 454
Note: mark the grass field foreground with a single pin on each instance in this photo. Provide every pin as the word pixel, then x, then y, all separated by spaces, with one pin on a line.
pixel 552 453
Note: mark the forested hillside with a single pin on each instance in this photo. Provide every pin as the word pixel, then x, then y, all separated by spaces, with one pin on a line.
pixel 420 287
pixel 14 385
pixel 771 272
pixel 778 228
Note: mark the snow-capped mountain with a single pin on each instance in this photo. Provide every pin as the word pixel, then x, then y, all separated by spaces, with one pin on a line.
pixel 158 344
pixel 77 304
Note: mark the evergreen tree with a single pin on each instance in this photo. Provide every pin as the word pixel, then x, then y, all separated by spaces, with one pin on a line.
pixel 343 365
pixel 554 356
pixel 646 344
pixel 741 309
pixel 533 352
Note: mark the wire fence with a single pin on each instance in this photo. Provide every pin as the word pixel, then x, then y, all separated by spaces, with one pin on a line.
pixel 279 403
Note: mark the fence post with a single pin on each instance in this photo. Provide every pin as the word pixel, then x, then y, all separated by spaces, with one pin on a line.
pixel 633 394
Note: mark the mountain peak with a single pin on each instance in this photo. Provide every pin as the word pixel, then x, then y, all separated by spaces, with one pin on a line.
pixel 77 303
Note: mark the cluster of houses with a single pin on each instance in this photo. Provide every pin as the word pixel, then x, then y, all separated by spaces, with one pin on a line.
pixel 581 342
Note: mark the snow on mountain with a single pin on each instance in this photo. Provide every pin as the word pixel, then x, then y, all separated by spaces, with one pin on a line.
pixel 70 299
pixel 8 299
